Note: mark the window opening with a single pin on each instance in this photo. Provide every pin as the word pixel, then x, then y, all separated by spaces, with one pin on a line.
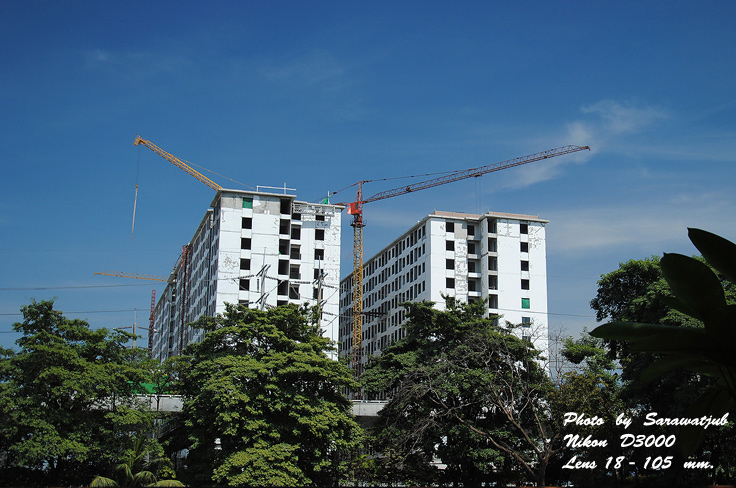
pixel 285 206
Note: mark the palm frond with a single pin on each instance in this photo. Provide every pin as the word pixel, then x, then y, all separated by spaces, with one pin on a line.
pixel 102 482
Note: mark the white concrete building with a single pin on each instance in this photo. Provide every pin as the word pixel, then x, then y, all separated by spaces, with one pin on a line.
pixel 256 248
pixel 495 257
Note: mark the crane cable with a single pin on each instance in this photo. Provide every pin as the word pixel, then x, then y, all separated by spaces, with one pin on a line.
pixel 394 178
pixel 135 201
pixel 218 174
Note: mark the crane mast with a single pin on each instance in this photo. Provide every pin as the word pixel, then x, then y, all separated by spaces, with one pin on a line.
pixel 356 210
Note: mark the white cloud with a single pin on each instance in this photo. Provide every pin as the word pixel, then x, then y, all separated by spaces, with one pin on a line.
pixel 549 169
pixel 100 55
pixel 137 65
pixel 579 135
pixel 620 118
pixel 315 68
pixel 604 124
pixel 97 57
pixel 647 227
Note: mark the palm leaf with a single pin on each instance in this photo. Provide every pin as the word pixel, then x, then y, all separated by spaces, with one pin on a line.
pixel 102 482
pixel 168 483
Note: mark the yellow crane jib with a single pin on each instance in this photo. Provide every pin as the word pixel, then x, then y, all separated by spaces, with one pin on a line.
pixel 178 162
pixel 133 275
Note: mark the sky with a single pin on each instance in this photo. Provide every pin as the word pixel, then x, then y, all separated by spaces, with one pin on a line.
pixel 317 95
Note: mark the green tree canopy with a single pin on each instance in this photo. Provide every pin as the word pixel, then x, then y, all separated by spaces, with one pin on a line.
pixel 466 391
pixel 676 320
pixel 263 402
pixel 66 398
pixel 143 464
pixel 591 389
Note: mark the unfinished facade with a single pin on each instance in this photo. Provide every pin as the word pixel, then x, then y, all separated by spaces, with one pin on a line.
pixel 254 248
pixel 495 257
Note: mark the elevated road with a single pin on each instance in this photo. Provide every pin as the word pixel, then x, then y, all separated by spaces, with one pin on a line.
pixel 364 410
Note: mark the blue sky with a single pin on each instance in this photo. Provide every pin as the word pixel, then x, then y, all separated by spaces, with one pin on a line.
pixel 319 95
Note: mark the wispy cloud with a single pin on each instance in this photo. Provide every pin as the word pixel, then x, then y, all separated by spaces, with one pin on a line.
pixel 648 227
pixel 136 65
pixel 315 68
pixel 98 56
pixel 601 125
pixel 621 118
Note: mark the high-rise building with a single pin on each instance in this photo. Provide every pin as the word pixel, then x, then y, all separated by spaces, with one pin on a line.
pixel 255 248
pixel 498 258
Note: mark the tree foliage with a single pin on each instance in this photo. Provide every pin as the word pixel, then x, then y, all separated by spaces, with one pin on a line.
pixel 66 398
pixel 467 392
pixel 592 389
pixel 263 402
pixel 706 350
pixel 142 465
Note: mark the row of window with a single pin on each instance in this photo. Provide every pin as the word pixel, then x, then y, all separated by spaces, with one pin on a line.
pixel 492 246
pixel 411 240
pixel 285 226
pixel 492 285
pixel 319 235
pixel 492 227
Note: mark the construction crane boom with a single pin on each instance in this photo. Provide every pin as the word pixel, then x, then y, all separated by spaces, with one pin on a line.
pixel 133 275
pixel 475 172
pixel 356 210
pixel 178 162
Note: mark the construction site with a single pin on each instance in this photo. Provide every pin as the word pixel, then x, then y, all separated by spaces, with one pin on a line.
pixel 263 248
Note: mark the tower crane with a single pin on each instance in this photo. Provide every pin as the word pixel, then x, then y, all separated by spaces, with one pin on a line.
pixel 356 210
pixel 151 317
pixel 132 275
pixel 178 162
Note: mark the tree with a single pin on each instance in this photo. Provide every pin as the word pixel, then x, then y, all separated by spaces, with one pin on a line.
pixel 142 465
pixel 680 334
pixel 592 389
pixel 468 392
pixel 263 402
pixel 66 398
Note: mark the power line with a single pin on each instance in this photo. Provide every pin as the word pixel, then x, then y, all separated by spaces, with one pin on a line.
pixel 32 288
pixel 84 311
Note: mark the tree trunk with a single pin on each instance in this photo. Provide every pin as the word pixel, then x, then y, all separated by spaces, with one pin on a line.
pixel 542 472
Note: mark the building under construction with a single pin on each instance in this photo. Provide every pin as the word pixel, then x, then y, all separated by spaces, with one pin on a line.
pixel 255 248
pixel 498 258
